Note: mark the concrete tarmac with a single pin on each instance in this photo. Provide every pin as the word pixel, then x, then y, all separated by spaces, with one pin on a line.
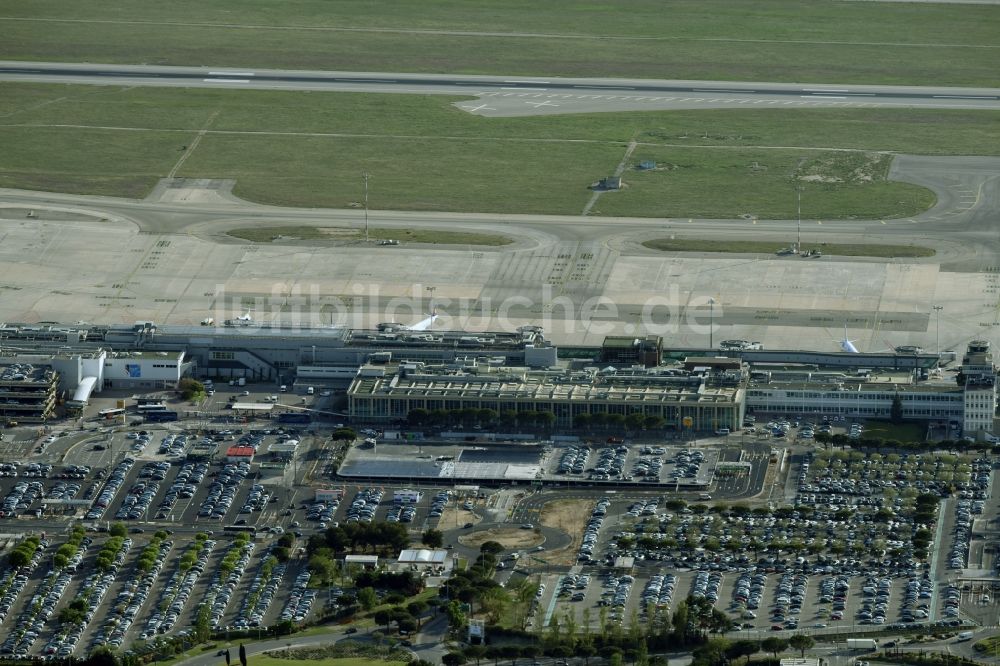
pixel 167 258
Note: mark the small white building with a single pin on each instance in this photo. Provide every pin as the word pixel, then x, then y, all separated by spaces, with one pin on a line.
pixel 424 559
pixel 364 561
pixel 406 496
pixel 145 369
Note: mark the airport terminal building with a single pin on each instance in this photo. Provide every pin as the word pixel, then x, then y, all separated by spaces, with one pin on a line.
pixel 390 370
pixel 703 399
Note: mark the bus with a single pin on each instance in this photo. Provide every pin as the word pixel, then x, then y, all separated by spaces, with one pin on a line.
pixel 151 407
pixel 111 413
pixel 292 417
pixel 160 416
pixel 252 529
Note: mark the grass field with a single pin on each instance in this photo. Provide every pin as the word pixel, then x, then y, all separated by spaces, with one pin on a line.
pixel 904 432
pixel 433 236
pixel 772 40
pixel 768 247
pixel 989 645
pixel 308 149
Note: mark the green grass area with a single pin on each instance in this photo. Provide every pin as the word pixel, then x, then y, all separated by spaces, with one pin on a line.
pixel 904 432
pixel 748 181
pixel 770 247
pixel 774 40
pixel 433 236
pixel 308 149
pixel 989 645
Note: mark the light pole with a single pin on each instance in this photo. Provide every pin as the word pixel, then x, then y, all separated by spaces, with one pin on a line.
pixel 364 175
pixel 937 332
pixel 798 224
pixel 711 323
pixel 430 300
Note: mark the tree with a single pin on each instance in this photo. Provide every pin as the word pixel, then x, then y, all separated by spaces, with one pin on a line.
pixel 896 410
pixel 743 648
pixel 367 598
pixel 418 416
pixel 635 421
pixel 801 642
pixel 711 653
pixel 322 567
pixel 582 421
pixel 491 548
pixel 18 558
pixel 118 530
pixel 344 435
pixel 432 538
pixel 101 656
pixel 381 617
pixel 774 645
pixel 190 389
pixel 476 652
pixel 416 609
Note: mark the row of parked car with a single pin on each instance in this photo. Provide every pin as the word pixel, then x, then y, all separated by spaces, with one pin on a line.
pixel 129 602
pixel 610 463
pixel 175 594
pixel 173 445
pixel 116 479
pixel 92 593
pixel 961 540
pixel 31 622
pixel 20 498
pixel 222 491
pixel 300 600
pixel 593 529
pixel 573 460
pixel 14 579
pixel 220 591
pixel 706 585
pixel 364 505
pixel 438 504
pixel 262 590
pixel 401 514
pixel 659 591
pixel 138 500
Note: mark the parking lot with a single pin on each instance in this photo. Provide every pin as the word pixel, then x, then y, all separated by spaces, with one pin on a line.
pixel 852 552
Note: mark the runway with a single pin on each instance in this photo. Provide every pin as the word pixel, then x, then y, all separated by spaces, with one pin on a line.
pixel 514 96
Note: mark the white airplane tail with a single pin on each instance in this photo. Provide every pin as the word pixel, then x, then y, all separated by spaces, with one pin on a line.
pixel 426 323
pixel 847 345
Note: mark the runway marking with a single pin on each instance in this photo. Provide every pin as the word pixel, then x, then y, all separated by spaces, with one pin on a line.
pixel 481 107
pixel 530 89
pixel 882 221
pixel 225 80
pixel 539 104
pixel 236 74
pixel 823 97
pixel 819 221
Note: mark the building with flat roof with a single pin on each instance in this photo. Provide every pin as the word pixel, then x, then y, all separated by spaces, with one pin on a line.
pixel 239 454
pixel 710 400
pixel 631 350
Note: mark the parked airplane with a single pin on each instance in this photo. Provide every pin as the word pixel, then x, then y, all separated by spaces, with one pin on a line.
pixel 847 345
pixel 421 325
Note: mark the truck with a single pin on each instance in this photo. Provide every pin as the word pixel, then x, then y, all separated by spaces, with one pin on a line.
pixel 242 381
pixel 867 644
pixel 964 636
